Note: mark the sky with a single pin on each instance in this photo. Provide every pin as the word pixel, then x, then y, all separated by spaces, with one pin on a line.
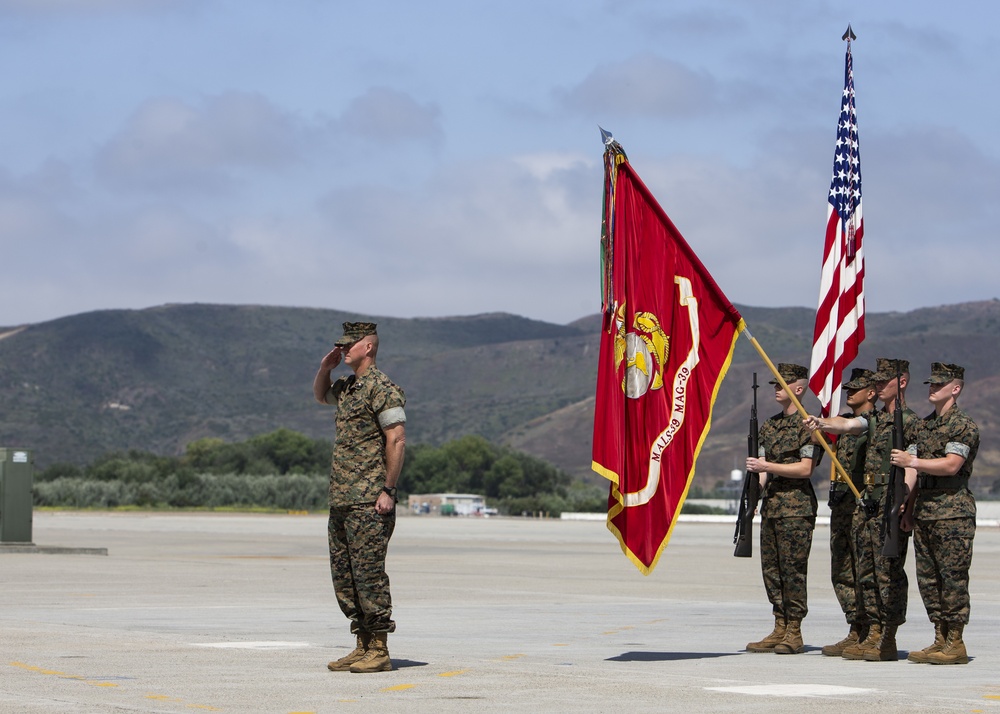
pixel 443 158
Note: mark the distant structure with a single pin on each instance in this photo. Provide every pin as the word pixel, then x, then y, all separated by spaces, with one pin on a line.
pixel 449 504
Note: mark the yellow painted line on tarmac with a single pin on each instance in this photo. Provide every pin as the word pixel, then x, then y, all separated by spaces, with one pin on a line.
pixel 623 628
pixel 452 674
pixel 399 687
pixel 104 683
pixel 513 656
pixel 559 644
pixel 60 674
pixel 994 697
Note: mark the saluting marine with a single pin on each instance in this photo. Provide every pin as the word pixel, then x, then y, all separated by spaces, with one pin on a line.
pixel 366 462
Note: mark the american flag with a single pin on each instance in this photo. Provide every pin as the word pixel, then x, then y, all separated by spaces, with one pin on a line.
pixel 840 317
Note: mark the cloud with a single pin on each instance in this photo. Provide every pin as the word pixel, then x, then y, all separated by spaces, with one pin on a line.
pixel 170 143
pixel 930 217
pixel 78 7
pixel 515 234
pixel 389 116
pixel 645 85
pixel 701 22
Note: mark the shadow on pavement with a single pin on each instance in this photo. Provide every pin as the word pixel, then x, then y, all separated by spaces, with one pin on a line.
pixel 402 663
pixel 668 656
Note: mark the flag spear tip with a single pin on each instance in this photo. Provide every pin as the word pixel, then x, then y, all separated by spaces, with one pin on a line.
pixel 606 136
pixel 849 35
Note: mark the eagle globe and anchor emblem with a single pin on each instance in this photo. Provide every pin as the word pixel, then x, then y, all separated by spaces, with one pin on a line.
pixel 644 350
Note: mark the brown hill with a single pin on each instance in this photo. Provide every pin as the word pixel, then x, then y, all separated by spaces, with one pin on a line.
pixel 156 379
pixel 966 334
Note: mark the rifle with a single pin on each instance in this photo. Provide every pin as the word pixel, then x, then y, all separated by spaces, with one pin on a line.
pixel 743 538
pixel 896 489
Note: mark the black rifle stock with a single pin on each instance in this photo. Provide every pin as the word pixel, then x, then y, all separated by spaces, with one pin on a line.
pixel 896 489
pixel 743 538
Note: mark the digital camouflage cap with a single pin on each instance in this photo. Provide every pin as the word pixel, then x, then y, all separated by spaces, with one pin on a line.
pixel 886 369
pixel 942 373
pixel 791 372
pixel 860 379
pixel 354 331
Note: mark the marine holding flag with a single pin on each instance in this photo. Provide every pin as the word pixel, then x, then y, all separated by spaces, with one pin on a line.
pixel 787 513
pixel 667 340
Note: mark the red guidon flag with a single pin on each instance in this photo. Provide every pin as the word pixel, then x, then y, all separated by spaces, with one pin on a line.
pixel 667 341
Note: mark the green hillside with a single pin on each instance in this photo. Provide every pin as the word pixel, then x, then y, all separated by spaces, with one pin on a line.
pixel 156 379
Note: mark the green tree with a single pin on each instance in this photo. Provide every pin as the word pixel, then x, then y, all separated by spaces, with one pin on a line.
pixel 292 452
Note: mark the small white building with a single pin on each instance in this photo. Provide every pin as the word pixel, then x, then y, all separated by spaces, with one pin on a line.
pixel 449 504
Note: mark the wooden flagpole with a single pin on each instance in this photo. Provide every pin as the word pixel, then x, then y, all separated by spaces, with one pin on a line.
pixel 798 405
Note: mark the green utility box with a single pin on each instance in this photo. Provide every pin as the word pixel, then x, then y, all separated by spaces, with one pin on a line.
pixel 16 471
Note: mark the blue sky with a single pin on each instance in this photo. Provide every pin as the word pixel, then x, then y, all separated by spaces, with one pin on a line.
pixel 443 158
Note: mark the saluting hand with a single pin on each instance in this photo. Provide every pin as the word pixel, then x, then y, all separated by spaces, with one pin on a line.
pixel 332 358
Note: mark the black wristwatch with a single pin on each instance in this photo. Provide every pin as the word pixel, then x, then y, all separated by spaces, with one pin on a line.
pixel 391 490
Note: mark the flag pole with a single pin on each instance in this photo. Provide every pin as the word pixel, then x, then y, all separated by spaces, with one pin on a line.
pixel 848 36
pixel 817 434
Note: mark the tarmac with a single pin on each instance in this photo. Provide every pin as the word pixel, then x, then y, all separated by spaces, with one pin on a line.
pixel 236 613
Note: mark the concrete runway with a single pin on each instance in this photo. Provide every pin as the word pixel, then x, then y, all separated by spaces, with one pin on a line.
pixel 235 613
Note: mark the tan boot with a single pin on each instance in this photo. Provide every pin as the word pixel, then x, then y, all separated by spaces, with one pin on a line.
pixel 792 643
pixel 953 651
pixel 940 633
pixel 857 651
pixel 885 651
pixel 376 659
pixel 344 663
pixel 772 640
pixel 858 633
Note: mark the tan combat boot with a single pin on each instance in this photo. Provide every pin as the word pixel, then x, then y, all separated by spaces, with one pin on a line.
pixel 953 651
pixel 792 643
pixel 344 663
pixel 857 651
pixel 858 633
pixel 376 659
pixel 771 641
pixel 885 650
pixel 940 632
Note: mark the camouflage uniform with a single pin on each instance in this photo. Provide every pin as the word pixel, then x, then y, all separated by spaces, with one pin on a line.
pixel 788 517
pixel 882 581
pixel 358 535
pixel 851 451
pixel 945 513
